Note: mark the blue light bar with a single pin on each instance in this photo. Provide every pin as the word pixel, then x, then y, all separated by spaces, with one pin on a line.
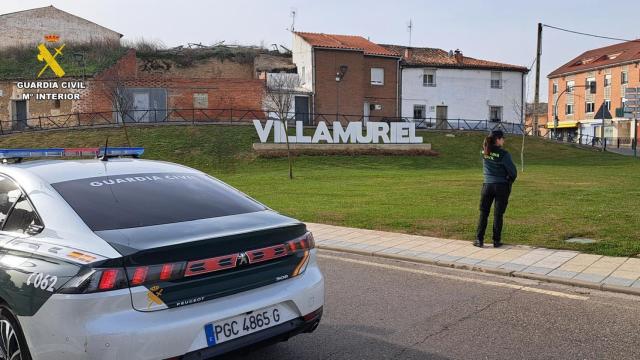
pixel 123 151
pixel 69 152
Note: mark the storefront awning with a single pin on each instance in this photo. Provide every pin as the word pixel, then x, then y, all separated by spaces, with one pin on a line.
pixel 563 124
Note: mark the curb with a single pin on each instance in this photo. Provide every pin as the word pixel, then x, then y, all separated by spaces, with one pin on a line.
pixel 501 272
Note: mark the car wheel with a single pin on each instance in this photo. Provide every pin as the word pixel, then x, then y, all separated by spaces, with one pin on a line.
pixel 12 343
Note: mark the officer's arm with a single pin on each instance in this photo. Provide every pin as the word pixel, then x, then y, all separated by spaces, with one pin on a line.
pixel 510 167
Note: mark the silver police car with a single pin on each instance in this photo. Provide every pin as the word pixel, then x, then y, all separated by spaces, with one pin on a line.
pixel 122 258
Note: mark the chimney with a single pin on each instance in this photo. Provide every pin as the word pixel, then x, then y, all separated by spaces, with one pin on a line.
pixel 407 53
pixel 458 55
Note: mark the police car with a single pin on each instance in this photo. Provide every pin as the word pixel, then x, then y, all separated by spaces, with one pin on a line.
pixel 123 258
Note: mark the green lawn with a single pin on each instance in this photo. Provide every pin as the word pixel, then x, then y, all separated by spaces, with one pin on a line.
pixel 564 192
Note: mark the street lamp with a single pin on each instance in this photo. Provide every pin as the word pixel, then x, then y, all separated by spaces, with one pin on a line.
pixel 555 108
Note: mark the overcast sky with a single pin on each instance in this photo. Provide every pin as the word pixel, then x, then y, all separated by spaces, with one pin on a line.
pixel 498 30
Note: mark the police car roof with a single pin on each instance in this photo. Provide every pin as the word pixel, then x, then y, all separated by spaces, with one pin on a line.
pixel 55 171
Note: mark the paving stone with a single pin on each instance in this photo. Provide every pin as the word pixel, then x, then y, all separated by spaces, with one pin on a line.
pixel 563 273
pixel 408 245
pixel 538 270
pixel 589 277
pixel 465 251
pixel 532 257
pixel 428 255
pixel 374 248
pixel 468 260
pixel 580 262
pixel 556 259
pixel 490 264
pixel 604 266
pixel 447 248
pixel 448 258
pixel 410 253
pixel 612 280
pixel 390 250
pixel 512 266
pixel 508 255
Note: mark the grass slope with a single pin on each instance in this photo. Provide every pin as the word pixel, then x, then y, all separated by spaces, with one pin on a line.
pixel 564 192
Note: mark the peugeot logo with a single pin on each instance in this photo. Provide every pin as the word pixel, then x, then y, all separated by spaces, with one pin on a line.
pixel 243 259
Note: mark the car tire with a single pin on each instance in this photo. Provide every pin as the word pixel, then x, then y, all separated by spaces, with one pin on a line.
pixel 13 345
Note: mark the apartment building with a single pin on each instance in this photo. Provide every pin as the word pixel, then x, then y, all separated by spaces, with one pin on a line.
pixel 587 94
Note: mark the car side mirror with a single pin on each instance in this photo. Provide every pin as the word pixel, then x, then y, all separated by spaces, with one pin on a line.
pixel 34 229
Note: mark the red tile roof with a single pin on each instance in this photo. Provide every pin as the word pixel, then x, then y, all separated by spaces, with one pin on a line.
pixel 347 42
pixel 440 58
pixel 602 57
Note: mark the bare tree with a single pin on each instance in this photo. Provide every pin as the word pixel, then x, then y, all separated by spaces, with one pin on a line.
pixel 518 110
pixel 116 91
pixel 278 101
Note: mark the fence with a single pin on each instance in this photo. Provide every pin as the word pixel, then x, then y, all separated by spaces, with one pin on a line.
pixel 623 145
pixel 192 116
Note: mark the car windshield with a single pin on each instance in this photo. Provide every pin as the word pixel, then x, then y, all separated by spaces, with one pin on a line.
pixel 136 200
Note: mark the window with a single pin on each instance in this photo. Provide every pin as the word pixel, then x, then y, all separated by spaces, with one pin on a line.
pixel 590 85
pixel 607 80
pixel 419 111
pixel 303 76
pixel 496 80
pixel 624 77
pixel 569 109
pixel 570 85
pixel 589 107
pixel 9 194
pixel 555 88
pixel 200 101
pixel 137 200
pixel 429 77
pixel 56 104
pixel 377 76
pixel 22 218
pixel 495 113
pixel 607 104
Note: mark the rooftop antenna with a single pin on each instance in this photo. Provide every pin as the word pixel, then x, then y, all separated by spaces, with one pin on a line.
pixel 104 156
pixel 293 20
pixel 410 30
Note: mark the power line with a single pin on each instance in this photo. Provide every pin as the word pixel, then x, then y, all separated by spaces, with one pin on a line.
pixel 587 34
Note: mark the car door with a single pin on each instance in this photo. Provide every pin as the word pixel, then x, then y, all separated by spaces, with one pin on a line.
pixel 30 271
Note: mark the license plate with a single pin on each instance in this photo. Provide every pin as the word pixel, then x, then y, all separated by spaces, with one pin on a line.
pixel 247 323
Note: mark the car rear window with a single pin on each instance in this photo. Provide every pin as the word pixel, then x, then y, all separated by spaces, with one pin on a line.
pixel 136 200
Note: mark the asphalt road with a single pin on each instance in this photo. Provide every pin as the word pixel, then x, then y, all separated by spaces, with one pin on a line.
pixel 385 309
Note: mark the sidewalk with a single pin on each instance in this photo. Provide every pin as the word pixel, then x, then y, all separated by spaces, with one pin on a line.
pixel 558 266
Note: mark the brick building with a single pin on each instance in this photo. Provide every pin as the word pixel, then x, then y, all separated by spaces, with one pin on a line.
pixel 160 88
pixel 28 28
pixel 589 92
pixel 347 75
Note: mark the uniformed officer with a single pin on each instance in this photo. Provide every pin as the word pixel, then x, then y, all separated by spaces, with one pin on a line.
pixel 499 174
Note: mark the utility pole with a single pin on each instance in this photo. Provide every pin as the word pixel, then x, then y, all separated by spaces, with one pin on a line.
pixel 410 29
pixel 536 99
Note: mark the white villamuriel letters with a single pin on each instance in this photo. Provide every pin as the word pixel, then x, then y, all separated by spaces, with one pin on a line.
pixel 376 132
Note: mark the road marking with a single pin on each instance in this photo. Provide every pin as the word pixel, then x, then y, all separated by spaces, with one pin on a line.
pixel 458 278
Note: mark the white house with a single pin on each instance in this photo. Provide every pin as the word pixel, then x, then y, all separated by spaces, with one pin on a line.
pixel 470 93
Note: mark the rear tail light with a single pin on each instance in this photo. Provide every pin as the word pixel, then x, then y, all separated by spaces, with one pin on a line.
pixel 302 244
pixel 98 280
